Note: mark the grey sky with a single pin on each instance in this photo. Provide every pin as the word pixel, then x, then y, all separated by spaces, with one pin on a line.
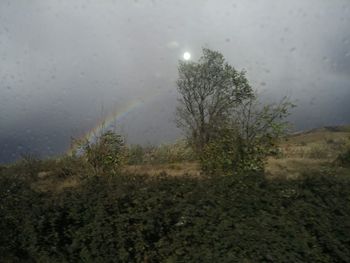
pixel 61 62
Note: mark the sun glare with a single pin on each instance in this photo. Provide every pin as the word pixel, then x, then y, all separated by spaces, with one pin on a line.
pixel 187 56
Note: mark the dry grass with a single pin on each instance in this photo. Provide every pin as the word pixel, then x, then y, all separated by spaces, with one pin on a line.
pixel 308 152
pixel 317 145
pixel 317 136
pixel 175 169
pixel 292 168
pixel 300 154
pixel 52 184
pixel 48 182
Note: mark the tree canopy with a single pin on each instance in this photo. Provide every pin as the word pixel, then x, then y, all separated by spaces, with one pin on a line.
pixel 210 90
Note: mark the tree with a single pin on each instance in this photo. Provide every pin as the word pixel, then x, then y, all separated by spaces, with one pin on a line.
pixel 210 90
pixel 226 126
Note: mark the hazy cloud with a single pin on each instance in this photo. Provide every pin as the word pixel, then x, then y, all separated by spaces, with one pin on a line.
pixel 61 62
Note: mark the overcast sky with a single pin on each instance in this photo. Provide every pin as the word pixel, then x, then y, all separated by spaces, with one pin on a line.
pixel 64 64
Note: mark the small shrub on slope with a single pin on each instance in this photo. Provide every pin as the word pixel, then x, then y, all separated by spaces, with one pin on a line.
pixel 106 154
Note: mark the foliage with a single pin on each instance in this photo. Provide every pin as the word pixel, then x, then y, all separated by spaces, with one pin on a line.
pixel 229 154
pixel 166 219
pixel 16 197
pixel 164 153
pixel 245 142
pixel 210 89
pixel 227 127
pixel 106 153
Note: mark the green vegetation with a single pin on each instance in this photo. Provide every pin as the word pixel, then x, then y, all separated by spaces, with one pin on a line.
pixel 133 218
pixel 225 125
pixel 245 143
pixel 104 203
pixel 61 210
pixel 106 154
pixel 210 90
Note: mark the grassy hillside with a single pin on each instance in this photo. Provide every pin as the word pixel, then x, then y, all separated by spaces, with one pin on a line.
pixel 60 210
pixel 309 151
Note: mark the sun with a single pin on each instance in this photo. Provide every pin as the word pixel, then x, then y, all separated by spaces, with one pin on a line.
pixel 187 56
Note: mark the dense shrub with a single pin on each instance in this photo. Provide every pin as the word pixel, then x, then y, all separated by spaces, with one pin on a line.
pixel 166 219
pixel 231 154
pixel 243 143
pixel 105 154
pixel 15 199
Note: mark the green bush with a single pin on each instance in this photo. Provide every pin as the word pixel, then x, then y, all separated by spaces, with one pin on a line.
pixel 230 153
pixel 244 141
pixel 16 198
pixel 223 155
pixel 106 154
pixel 167 219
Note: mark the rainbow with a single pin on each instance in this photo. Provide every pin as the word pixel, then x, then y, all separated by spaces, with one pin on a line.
pixel 107 122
